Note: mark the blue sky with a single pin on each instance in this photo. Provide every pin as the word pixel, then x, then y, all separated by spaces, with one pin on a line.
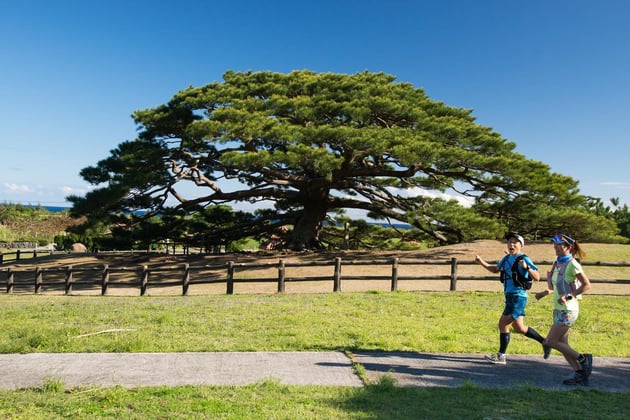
pixel 553 76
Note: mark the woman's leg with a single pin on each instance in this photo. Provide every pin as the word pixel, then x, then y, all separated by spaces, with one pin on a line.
pixel 558 338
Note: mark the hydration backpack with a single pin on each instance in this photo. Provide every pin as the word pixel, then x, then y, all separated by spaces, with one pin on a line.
pixel 520 280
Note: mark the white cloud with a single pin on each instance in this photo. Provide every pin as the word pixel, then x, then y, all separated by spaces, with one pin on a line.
pixel 620 185
pixel 66 191
pixel 15 188
pixel 53 195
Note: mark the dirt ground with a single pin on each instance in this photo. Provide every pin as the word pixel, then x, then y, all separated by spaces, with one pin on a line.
pixel 126 270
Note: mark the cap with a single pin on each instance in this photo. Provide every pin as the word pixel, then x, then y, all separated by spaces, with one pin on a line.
pixel 515 235
pixel 561 238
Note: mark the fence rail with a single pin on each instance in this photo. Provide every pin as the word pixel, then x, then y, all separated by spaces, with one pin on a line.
pixel 24 254
pixel 232 272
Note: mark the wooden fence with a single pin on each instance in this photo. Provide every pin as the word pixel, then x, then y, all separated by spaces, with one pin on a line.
pixel 19 254
pixel 231 273
pixel 22 254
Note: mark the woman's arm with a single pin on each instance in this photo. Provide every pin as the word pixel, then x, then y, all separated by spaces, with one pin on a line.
pixel 549 289
pixel 585 286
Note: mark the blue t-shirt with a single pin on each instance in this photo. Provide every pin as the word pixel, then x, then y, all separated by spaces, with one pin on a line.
pixel 505 265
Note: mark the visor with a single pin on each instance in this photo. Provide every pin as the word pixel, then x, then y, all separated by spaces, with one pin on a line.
pixel 561 238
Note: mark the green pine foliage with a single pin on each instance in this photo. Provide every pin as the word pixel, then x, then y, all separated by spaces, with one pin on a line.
pixel 314 144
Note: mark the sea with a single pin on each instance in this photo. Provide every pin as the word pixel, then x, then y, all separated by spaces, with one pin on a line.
pixel 403 226
pixel 56 209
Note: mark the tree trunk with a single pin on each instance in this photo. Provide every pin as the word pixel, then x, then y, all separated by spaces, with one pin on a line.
pixel 308 225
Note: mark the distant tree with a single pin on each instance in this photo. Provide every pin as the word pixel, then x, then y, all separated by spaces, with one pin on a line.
pixel 618 214
pixel 537 219
pixel 217 227
pixel 313 144
pixel 621 215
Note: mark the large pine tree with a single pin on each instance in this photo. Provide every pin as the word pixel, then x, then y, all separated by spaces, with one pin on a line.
pixel 312 144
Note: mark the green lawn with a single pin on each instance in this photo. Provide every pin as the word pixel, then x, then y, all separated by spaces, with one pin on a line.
pixel 270 400
pixel 457 322
pixel 402 321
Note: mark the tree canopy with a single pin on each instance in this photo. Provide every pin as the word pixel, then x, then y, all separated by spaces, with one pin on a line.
pixel 313 144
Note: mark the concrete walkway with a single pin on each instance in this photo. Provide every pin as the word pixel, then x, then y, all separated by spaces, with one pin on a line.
pixel 454 370
pixel 300 368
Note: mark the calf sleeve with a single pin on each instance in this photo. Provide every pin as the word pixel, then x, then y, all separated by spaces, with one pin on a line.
pixel 532 333
pixel 504 340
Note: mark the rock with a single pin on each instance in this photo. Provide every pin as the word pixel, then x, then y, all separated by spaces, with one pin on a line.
pixel 78 247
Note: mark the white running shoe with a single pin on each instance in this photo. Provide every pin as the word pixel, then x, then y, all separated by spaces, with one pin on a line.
pixel 496 358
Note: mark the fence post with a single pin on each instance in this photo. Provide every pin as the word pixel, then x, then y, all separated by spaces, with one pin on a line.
pixel 394 274
pixel 1 258
pixel 453 274
pixel 281 274
pixel 68 280
pixel 186 279
pixel 105 280
pixel 10 278
pixel 337 278
pixel 230 278
pixel 38 279
pixel 34 253
pixel 145 280
pixel 17 255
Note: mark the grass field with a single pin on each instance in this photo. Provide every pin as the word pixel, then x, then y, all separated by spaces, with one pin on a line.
pixel 374 320
pixel 392 321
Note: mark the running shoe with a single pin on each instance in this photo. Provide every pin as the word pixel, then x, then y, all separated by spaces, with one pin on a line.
pixel 578 379
pixel 546 352
pixel 587 365
pixel 496 358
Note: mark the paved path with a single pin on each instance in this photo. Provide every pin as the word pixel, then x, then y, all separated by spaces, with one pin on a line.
pixel 299 368
pixel 453 370
pixel 148 369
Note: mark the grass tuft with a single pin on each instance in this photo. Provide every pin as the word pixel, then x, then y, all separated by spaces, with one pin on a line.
pixel 52 385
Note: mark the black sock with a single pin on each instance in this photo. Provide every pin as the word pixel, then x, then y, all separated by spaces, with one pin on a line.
pixel 532 333
pixel 504 340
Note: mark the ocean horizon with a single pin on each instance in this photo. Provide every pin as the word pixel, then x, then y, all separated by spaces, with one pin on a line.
pixel 55 209
pixel 59 209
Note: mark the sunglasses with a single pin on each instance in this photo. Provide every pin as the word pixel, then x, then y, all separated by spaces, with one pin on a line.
pixel 562 238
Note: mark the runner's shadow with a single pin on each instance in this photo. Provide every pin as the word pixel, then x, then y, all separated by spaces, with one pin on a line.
pixel 422 369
